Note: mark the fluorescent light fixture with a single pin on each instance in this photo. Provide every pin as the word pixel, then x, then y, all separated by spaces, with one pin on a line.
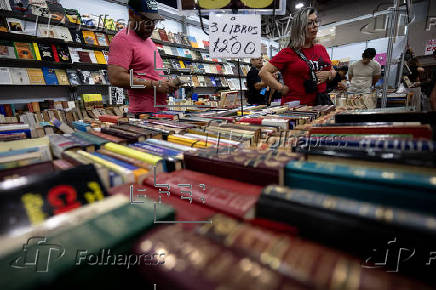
pixel 299 5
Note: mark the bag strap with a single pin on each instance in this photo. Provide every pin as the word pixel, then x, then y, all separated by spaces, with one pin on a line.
pixel 304 58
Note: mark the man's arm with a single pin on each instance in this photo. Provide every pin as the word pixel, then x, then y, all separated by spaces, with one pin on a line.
pixel 120 77
pixel 260 85
pixel 375 79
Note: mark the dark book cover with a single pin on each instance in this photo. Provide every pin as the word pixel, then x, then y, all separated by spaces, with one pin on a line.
pixel 77 35
pixel 50 76
pixel 19 5
pixel 73 77
pixel 46 52
pixel 56 10
pixel 84 56
pixel 63 53
pixel 85 77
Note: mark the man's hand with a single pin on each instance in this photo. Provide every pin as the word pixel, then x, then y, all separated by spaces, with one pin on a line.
pixel 342 86
pixel 284 90
pixel 323 76
pixel 164 86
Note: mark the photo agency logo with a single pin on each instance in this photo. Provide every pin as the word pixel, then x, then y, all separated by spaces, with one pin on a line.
pixel 431 21
pixel 38 254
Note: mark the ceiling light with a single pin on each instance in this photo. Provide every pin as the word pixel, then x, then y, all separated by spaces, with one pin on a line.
pixel 299 5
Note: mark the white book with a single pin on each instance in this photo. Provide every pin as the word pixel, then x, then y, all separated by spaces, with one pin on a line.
pixel 92 56
pixel 5 76
pixel 7 51
pixel 30 28
pixel 45 31
pixel 8 127
pixel 19 76
pixel 74 55
pixel 15 25
pixel 62 32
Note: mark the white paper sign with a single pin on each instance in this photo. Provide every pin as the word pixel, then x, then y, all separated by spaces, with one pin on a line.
pixel 430 46
pixel 235 36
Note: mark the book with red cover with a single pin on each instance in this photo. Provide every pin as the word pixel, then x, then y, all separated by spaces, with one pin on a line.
pixel 55 53
pixel 185 211
pixel 112 119
pixel 163 35
pixel 251 166
pixel 419 131
pixel 84 57
pixel 229 196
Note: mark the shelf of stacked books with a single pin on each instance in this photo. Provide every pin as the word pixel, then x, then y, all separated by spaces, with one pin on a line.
pixel 292 196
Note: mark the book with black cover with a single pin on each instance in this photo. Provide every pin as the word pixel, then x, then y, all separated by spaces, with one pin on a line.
pixel 73 77
pixel 46 52
pixel 63 53
pixel 85 77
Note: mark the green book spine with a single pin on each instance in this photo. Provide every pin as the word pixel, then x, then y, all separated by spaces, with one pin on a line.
pixel 90 138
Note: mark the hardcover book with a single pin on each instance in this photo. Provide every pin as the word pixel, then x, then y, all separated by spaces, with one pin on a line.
pixel 19 76
pixel 46 52
pixel 63 53
pixel 253 166
pixel 89 37
pixel 63 33
pixel 5 76
pixel 24 51
pixel 15 25
pixel 85 77
pixel 163 35
pixel 76 36
pixel 7 49
pixel 73 77
pixel 50 76
pixel 101 39
pixel 36 77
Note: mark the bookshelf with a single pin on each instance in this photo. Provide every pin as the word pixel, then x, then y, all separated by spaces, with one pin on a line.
pixel 71 90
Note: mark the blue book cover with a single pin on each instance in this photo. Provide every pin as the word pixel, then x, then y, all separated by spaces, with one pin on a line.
pixel 181 52
pixel 26 131
pixel 50 76
pixel 115 161
pixel 20 151
pixel 212 79
pixel 156 150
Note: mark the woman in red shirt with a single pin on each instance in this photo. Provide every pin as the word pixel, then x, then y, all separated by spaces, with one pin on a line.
pixel 295 71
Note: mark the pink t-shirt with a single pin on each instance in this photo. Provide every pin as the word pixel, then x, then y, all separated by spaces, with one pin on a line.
pixel 130 51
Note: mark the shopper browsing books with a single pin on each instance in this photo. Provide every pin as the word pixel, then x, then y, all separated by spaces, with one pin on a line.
pixel 305 66
pixel 133 49
pixel 257 90
pixel 340 81
pixel 365 73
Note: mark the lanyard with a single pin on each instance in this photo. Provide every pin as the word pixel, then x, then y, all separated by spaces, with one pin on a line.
pixel 311 70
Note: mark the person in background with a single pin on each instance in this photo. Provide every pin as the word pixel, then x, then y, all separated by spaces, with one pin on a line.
pixel 133 49
pixel 300 84
pixel 412 68
pixel 429 87
pixel 365 73
pixel 257 90
pixel 339 82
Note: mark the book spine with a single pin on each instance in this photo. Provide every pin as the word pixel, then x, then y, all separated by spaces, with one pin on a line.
pixel 128 176
pixel 126 151
pixel 55 53
pixel 155 150
pixel 217 198
pixel 36 50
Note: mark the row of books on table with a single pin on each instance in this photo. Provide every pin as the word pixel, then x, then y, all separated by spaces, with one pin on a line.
pixel 71 35
pixel 55 11
pixel 59 53
pixel 288 232
pixel 50 76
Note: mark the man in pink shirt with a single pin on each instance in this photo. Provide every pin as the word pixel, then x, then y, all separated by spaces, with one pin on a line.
pixel 133 49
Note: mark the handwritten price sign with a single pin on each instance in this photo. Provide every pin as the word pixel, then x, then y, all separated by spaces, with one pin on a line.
pixel 234 36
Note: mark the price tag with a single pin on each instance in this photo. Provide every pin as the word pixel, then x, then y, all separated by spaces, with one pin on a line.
pixel 235 36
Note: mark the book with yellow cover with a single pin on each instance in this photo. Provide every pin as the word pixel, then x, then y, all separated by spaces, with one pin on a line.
pixel 126 151
pixel 62 77
pixel 24 50
pixel 89 37
pixel 36 50
pixel 36 77
pixel 99 56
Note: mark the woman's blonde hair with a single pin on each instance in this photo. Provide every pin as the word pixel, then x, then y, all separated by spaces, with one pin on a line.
pixel 299 27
